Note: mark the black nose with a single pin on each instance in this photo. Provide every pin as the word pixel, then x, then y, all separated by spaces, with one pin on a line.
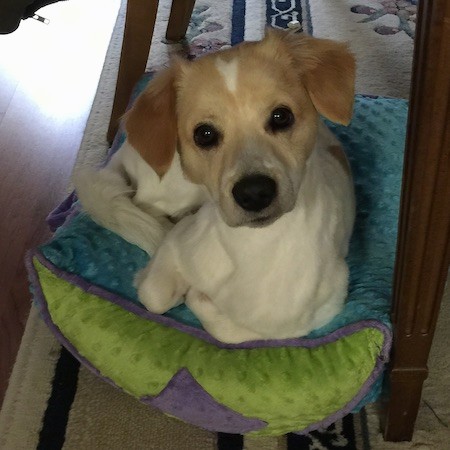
pixel 254 192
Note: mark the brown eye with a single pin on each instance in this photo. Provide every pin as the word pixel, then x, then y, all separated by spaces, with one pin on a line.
pixel 206 136
pixel 281 119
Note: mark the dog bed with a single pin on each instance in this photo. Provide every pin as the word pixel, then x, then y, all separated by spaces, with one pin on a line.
pixel 82 283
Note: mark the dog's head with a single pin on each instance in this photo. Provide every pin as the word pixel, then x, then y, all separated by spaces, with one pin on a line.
pixel 245 120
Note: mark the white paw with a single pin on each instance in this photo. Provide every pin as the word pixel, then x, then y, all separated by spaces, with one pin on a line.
pixel 158 291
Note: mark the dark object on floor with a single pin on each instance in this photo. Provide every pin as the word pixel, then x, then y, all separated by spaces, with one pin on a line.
pixel 13 11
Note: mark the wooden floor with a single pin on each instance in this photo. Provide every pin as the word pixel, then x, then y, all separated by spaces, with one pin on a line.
pixel 48 78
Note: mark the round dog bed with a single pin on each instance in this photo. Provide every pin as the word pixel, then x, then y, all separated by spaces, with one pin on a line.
pixel 82 283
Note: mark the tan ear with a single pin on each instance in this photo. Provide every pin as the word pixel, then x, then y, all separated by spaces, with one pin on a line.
pixel 327 69
pixel 151 125
pixel 330 79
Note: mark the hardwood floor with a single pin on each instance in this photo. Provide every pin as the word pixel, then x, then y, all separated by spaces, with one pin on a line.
pixel 48 78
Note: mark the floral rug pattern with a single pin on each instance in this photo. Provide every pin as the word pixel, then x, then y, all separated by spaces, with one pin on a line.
pixel 197 35
pixel 404 10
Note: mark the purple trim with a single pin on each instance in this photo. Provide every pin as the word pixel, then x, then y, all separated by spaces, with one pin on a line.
pixel 202 334
pixel 185 398
pixel 58 216
pixel 180 381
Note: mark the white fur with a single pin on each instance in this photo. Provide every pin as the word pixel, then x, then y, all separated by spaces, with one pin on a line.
pixel 128 197
pixel 229 72
pixel 279 281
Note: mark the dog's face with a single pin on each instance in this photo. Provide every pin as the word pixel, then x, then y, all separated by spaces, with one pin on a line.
pixel 245 130
pixel 245 120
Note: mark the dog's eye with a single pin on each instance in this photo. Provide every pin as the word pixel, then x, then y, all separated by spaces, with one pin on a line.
pixel 281 118
pixel 206 136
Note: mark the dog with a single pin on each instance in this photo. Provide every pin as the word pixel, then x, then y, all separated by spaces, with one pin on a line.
pixel 264 256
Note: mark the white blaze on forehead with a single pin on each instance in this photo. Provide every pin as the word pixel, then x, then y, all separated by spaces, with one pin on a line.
pixel 228 69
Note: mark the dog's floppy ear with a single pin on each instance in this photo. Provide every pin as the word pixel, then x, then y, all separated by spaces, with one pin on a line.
pixel 151 124
pixel 329 78
pixel 327 69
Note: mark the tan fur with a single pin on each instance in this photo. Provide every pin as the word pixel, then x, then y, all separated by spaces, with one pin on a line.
pixel 310 76
pixel 326 67
pixel 241 115
pixel 151 123
pixel 279 71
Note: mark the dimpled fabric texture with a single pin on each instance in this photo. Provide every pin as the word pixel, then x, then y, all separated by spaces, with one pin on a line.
pixel 286 388
pixel 264 390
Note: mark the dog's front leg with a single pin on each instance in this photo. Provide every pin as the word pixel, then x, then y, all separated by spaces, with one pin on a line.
pixel 160 286
pixel 215 322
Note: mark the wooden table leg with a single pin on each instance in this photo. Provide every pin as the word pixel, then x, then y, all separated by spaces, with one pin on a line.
pixel 424 229
pixel 138 33
pixel 180 15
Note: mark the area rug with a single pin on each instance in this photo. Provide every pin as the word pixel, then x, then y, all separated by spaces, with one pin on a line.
pixel 52 403
pixel 380 33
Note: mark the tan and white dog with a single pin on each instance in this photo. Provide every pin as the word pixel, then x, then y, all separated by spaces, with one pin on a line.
pixel 264 257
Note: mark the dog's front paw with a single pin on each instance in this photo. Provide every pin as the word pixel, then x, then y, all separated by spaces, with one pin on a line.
pixel 159 292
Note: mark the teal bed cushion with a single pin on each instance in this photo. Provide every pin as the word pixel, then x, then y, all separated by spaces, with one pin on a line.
pixel 82 282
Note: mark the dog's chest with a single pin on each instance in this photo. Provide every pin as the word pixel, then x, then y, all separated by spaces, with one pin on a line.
pixel 259 262
pixel 275 283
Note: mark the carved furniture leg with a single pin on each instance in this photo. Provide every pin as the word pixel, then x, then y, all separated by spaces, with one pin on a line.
pixel 424 230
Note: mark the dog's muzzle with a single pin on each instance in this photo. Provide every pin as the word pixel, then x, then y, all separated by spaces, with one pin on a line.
pixel 254 193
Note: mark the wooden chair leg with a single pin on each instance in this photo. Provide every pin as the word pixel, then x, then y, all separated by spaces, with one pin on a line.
pixel 139 25
pixel 180 15
pixel 424 231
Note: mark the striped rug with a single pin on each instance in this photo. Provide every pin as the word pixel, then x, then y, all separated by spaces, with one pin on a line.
pixel 52 402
